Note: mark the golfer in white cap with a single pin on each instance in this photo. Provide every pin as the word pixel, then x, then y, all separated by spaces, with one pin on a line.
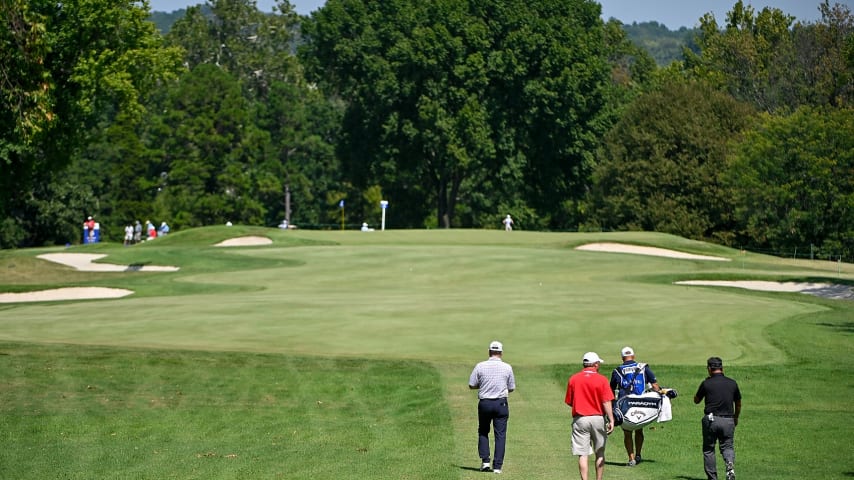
pixel 493 379
pixel 590 397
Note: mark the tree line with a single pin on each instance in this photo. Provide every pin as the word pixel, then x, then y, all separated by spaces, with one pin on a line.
pixel 456 112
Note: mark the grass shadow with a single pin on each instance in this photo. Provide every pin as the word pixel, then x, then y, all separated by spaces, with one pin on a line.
pixel 847 327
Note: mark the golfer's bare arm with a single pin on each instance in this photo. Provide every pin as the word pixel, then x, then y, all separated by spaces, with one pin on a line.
pixel 607 407
pixel 737 411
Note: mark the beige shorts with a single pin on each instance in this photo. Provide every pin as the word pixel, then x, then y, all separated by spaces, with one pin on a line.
pixel 589 435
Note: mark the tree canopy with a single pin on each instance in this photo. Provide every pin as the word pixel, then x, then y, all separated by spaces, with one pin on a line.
pixel 793 181
pixel 489 105
pixel 661 164
pixel 765 59
pixel 62 65
pixel 456 112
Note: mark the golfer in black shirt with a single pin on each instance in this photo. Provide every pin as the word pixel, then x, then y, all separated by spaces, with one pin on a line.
pixel 722 408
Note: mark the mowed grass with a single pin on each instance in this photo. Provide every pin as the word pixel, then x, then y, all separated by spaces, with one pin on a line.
pixel 347 355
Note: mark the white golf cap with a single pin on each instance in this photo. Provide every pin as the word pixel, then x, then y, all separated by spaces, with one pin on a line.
pixel 496 346
pixel 591 357
pixel 627 352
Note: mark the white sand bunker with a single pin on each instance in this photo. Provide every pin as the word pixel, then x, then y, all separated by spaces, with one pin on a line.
pixel 825 290
pixel 84 262
pixel 70 293
pixel 652 251
pixel 249 241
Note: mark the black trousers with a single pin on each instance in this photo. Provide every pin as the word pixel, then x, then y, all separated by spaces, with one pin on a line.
pixel 492 413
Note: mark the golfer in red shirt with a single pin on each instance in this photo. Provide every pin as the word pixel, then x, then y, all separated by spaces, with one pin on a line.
pixel 590 396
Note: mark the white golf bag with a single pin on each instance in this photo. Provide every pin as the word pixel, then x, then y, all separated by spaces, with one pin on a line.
pixel 639 410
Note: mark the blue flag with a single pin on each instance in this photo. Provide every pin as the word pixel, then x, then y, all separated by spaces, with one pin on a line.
pixel 341 204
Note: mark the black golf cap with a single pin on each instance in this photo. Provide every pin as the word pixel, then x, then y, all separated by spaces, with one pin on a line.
pixel 715 362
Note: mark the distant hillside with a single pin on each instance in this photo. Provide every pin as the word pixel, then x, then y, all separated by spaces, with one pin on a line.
pixel 663 44
pixel 164 21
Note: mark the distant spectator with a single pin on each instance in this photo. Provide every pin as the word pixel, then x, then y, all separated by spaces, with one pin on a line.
pixel 137 232
pixel 152 232
pixel 508 223
pixel 284 224
pixel 90 228
pixel 128 235
pixel 164 229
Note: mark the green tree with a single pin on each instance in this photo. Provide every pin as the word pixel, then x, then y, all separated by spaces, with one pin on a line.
pixel 826 76
pixel 210 153
pixel 61 65
pixel 291 125
pixel 255 47
pixel 631 65
pixel 465 107
pixel 303 127
pixel 749 57
pixel 793 182
pixel 763 59
pixel 661 165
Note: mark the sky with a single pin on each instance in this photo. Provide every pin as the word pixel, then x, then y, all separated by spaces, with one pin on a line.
pixel 671 13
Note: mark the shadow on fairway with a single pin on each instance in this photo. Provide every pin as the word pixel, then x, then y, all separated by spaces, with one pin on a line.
pixel 847 327
pixel 463 467
pixel 623 463
pixel 685 477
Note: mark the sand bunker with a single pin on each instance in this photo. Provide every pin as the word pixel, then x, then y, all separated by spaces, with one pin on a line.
pixel 244 242
pixel 825 290
pixel 652 251
pixel 83 262
pixel 70 293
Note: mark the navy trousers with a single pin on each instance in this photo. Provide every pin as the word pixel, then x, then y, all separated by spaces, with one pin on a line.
pixel 492 413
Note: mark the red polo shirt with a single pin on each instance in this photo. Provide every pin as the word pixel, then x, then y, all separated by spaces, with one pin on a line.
pixel 586 391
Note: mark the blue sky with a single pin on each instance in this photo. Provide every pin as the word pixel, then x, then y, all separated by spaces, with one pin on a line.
pixel 671 13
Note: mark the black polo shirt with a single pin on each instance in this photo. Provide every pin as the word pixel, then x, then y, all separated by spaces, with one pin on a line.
pixel 721 393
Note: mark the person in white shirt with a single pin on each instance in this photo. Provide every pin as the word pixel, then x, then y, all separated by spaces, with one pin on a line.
pixel 508 223
pixel 128 234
